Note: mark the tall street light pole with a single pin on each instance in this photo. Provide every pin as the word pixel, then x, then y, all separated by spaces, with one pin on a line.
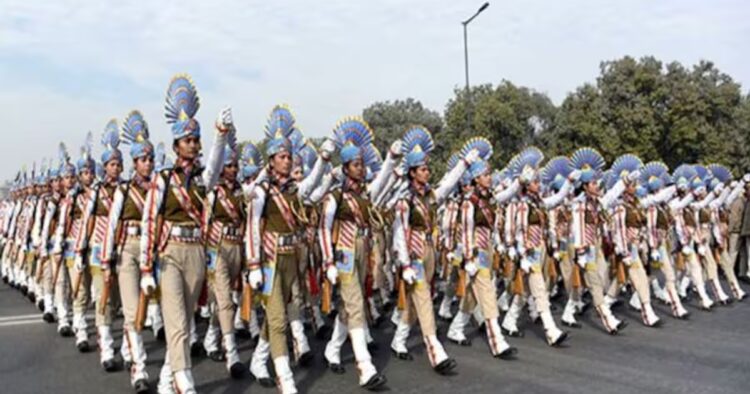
pixel 466 62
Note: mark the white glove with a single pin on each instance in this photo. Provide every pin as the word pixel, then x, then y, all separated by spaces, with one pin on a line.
pixel 633 176
pixel 255 278
pixel 471 268
pixel 500 249
pixel 655 255
pixel 702 250
pixel 746 178
pixel 337 173
pixel 472 156
pixel 686 250
pixel 396 148
pixel 79 264
pixel 450 256
pixel 521 251
pixel 327 149
pixel 408 275
pixel 224 121
pixel 733 184
pixel 512 253
pixel 574 176
pixel 556 255
pixel 332 273
pixel 148 285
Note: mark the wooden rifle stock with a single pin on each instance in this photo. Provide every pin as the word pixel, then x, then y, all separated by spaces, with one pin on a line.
pixel 247 302
pixel 140 312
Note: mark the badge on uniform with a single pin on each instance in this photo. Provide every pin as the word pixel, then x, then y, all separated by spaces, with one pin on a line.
pixel 418 267
pixel 484 260
pixel 96 256
pixel 268 273
pixel 345 260
pixel 211 254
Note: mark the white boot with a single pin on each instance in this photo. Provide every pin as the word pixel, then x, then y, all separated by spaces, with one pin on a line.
pixel 635 302
pixel 211 340
pixel 237 323
pixel 569 314
pixel 299 340
pixel 684 286
pixel 649 316
pixel 193 333
pixel 205 312
pixel 398 344
pixel 533 312
pixel 138 352
pixel 554 336
pixel 258 362
pixel 125 351
pixel 445 308
pixel 234 365
pixel 284 377
pixel 183 381
pixel 333 347
pixel 49 309
pixel 510 321
pixel 499 347
pixel 166 383
pixel 81 329
pixel 609 301
pixel 610 322
pixel 719 291
pixel 504 301
pixel 395 316
pixel 252 325
pixel 106 342
pixel 456 329
pixel 436 353
pixel 368 375
pixel 658 291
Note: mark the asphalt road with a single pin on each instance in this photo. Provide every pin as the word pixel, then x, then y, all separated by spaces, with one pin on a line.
pixel 710 353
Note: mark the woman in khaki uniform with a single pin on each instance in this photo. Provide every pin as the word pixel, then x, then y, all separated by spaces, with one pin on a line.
pixel 121 244
pixel 172 224
pixel 413 230
pixel 345 241
pixel 274 224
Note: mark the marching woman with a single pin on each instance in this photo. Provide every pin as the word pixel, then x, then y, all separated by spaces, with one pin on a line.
pixel 478 227
pixel 45 239
pixel 589 216
pixel 655 178
pixel 172 224
pixel 628 222
pixel 532 238
pixel 225 220
pixel 720 221
pixel 121 244
pixel 413 228
pixel 685 227
pixel 90 243
pixel 345 241
pixel 70 232
pixel 274 223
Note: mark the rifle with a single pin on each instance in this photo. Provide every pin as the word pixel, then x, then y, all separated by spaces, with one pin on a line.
pixel 105 293
pixel 140 313
pixel 246 305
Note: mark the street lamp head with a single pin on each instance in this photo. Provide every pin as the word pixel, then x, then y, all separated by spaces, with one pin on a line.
pixel 483 7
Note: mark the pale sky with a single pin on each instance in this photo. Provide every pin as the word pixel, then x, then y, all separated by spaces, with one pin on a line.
pixel 67 67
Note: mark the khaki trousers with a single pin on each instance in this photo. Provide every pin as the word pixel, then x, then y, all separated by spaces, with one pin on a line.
pixel 481 289
pixel 129 280
pixel 351 304
pixel 275 324
pixel 183 270
pixel 226 272
pixel 419 297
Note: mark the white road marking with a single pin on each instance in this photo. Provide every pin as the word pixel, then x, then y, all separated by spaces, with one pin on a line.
pixel 20 317
pixel 22 322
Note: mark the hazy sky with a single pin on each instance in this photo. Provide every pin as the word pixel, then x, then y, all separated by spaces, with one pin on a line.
pixel 67 67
